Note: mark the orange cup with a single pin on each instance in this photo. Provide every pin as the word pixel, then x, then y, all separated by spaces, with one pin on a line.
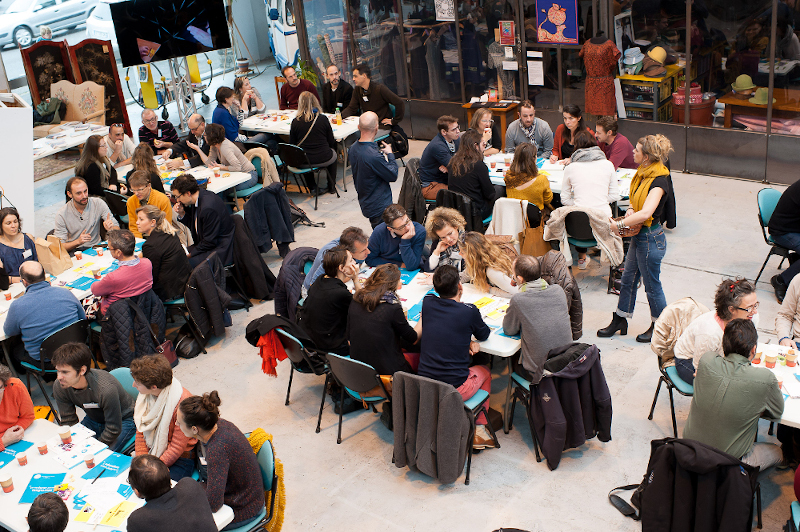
pixel 493 164
pixel 6 482
pixel 100 252
pixel 8 296
pixel 791 359
pixel 42 446
pixel 66 436
pixel 78 255
pixel 216 171
pixel 22 458
pixel 770 360
pixel 89 461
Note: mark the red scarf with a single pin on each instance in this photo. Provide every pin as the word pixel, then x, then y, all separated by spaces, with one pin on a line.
pixel 271 352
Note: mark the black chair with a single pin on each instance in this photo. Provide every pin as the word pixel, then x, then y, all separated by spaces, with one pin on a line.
pixel 304 361
pixel 297 163
pixel 75 332
pixel 463 204
pixel 357 378
pixel 117 204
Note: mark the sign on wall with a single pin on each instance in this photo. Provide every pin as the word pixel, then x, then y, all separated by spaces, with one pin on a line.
pixel 557 21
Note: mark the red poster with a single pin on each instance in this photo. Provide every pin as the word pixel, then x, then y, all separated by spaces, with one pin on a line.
pixel 507 37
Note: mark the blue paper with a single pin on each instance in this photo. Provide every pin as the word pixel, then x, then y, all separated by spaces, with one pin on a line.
pixel 540 162
pixel 115 463
pixel 114 266
pixel 82 283
pixel 138 246
pixel 407 275
pixel 500 332
pixel 125 490
pixel 10 452
pixel 415 312
pixel 41 483
pixel 91 252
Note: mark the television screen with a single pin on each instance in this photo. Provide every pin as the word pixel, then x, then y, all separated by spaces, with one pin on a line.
pixel 155 30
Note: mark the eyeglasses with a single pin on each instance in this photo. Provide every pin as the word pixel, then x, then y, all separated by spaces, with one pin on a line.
pixel 150 120
pixel 453 130
pixel 402 225
pixel 491 122
pixel 117 125
pixel 750 309
pixel 137 190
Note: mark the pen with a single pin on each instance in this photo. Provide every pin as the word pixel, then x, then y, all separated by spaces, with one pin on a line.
pixel 99 475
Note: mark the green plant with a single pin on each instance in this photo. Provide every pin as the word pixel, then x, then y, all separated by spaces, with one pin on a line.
pixel 305 70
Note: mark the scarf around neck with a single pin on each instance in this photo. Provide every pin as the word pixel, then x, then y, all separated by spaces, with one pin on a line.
pixel 153 416
pixel 641 183
pixel 586 155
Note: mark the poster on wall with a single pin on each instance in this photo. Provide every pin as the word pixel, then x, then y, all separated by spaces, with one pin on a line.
pixel 445 10
pixel 507 33
pixel 557 22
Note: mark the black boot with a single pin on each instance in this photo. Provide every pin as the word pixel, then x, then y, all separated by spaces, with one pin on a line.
pixel 779 286
pixel 617 324
pixel 646 336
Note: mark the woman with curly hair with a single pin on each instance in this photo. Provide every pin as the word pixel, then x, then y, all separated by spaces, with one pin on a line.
pixel 447 227
pixel 142 159
pixel 487 266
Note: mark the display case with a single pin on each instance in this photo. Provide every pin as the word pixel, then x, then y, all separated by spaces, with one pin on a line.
pixel 649 98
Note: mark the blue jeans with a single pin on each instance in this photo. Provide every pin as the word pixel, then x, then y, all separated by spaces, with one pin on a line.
pixel 643 261
pixel 182 467
pixel 250 182
pixel 685 369
pixel 128 431
pixel 789 241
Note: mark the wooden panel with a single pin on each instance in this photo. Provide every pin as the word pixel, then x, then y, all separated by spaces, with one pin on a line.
pixel 46 62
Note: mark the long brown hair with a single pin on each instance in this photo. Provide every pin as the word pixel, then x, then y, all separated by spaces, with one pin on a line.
pixel 523 167
pixel 142 159
pixel 468 153
pixel 91 155
pixel 480 255
pixel 383 279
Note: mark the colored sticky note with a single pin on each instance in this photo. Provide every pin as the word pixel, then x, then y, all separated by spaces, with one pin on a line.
pixel 482 302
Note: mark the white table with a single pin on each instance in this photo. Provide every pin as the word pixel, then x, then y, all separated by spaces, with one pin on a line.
pixel 227 180
pixel 791 408
pixel 12 514
pixel 70 139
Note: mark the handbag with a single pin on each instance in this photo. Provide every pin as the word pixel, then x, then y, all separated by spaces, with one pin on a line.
pixel 627 231
pixel 166 349
pixel 531 239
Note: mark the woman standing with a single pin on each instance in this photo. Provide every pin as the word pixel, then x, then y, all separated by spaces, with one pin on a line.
pixel 523 181
pixel 163 248
pixel 15 246
pixel 650 188
pixel 448 227
pixel 564 138
pixel 96 168
pixel 487 266
pixel 230 157
pixel 482 121
pixel 143 160
pixel 311 130
pixel 469 175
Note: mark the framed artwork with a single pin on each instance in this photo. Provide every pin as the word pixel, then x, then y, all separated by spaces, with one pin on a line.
pixel 557 21
pixel 46 62
pixel 507 36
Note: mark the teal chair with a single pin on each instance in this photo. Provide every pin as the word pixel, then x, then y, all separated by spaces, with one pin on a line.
pixel 522 391
pixel 297 163
pixel 266 463
pixel 767 200
pixel 579 234
pixel 383 136
pixel 669 376
pixel 117 204
pixel 246 193
pixel 304 361
pixel 123 375
pixel 357 378
pixel 796 514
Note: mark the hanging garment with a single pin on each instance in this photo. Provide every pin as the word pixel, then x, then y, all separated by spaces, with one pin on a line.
pixel 601 64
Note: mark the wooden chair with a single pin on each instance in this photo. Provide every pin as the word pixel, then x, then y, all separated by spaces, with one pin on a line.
pixel 279 80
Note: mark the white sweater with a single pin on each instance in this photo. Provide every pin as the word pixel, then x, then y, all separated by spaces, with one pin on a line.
pixel 591 184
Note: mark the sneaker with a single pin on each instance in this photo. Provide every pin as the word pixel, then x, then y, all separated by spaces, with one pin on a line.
pixel 482 438
pixel 583 263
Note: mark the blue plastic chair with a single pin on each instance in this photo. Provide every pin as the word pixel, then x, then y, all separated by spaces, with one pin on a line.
pixel 669 376
pixel 522 391
pixel 304 361
pixel 767 200
pixel 357 378
pixel 297 163
pixel 123 375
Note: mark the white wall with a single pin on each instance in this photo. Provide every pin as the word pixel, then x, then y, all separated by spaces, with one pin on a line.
pixel 16 152
pixel 251 19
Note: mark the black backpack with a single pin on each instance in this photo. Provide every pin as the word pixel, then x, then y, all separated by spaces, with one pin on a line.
pixel 399 144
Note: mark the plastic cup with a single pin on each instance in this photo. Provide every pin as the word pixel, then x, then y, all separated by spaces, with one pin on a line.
pixel 791 360
pixel 42 446
pixel 89 461
pixel 8 296
pixel 22 458
pixel 6 482
pixel 78 255
pixel 770 360
pixel 97 273
pixel 66 435
pixel 509 160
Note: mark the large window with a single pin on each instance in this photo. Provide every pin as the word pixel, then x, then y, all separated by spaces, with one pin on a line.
pixel 378 42
pixel 328 36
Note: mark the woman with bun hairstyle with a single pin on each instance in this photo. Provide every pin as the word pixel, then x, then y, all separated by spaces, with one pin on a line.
pixel 227 463
pixel 650 188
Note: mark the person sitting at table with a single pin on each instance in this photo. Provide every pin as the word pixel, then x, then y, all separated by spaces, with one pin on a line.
pixel 155 415
pixel 159 134
pixel 312 131
pixel 205 215
pixel 48 513
pixel 787 321
pixel 397 240
pixel 353 239
pixel 231 472
pixel 469 175
pixel 377 329
pixel 734 299
pixel 530 129
pixel 616 146
pixel 106 403
pixel 446 346
pixel 371 96
pixel 120 145
pixel 447 229
pixel 182 508
pixel 225 155
pixel 784 229
pixel 163 249
pixel 144 194
pixel 143 159
pixel 326 307
pixel 564 139
pixel 486 266
pixel 44 310
pixel 336 93
pixel 226 116
pixel 437 155
pixel 133 277
pixel 731 395
pixel 290 92
pixel 78 221
pixel 16 408
pixel 15 246
pixel 482 121
pixel 181 150
pixel 523 181
pixel 96 169
pixel 539 314
pixel 248 102
pixel 590 181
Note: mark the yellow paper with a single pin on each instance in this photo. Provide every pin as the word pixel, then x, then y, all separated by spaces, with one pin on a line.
pixel 116 515
pixel 482 302
pixel 84 515
pixel 84 267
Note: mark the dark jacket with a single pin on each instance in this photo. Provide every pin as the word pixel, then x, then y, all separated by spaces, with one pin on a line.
pixel 184 508
pixel 214 231
pixel 319 142
pixel 324 314
pixel 554 270
pixel 263 325
pixel 182 149
pixel 269 217
pixel 93 177
pixel 377 338
pixel 693 486
pixel 436 154
pixel 290 281
pixel 206 297
pixel 431 427
pixel 411 192
pixel 476 184
pixel 341 99
pixel 571 405
pixel 125 336
pixel 171 267
pixel 256 275
pixel 378 98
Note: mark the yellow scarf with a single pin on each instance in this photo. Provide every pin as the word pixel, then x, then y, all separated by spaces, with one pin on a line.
pixel 641 183
pixel 258 438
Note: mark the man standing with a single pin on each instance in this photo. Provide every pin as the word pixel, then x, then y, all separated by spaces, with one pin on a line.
pixel 106 403
pixel 730 396
pixel 133 277
pixel 539 314
pixel 616 146
pixel 44 310
pixel 337 93
pixel 143 194
pixel 183 508
pixel 784 228
pixel 120 145
pixel 528 128
pixel 181 150
pixel 294 86
pixel 353 239
pixel 369 96
pixel 205 215
pixel 397 240
pixel 373 170
pixel 437 155
pixel 159 134
pixel 78 221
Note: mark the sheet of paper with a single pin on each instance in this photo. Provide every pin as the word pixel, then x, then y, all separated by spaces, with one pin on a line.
pixel 41 483
pixel 484 301
pixel 510 65
pixel 535 73
pixel 116 515
pixel 72 454
pixel 115 463
pixel 406 276
pixel 533 53
pixel 509 52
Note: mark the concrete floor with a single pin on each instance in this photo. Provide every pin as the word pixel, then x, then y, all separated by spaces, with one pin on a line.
pixel 355 486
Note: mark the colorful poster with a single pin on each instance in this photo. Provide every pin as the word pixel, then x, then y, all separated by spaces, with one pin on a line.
pixel 507 37
pixel 557 22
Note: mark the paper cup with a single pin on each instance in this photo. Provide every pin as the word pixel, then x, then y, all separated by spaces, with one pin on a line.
pixel 22 459
pixel 757 359
pixel 216 171
pixel 78 255
pixel 42 446
pixel 770 360
pixel 66 436
pixel 6 482
pixel 493 164
pixel 97 273
pixel 100 252
pixel 8 296
pixel 89 461
pixel 791 360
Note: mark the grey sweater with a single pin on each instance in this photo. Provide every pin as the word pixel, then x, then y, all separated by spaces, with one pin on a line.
pixel 541 316
pixel 542 135
pixel 104 401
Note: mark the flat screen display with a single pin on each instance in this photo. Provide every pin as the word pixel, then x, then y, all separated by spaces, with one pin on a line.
pixel 155 30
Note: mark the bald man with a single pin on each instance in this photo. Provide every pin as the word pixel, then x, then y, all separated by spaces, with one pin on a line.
pixel 181 150
pixel 159 134
pixel 42 311
pixel 374 169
